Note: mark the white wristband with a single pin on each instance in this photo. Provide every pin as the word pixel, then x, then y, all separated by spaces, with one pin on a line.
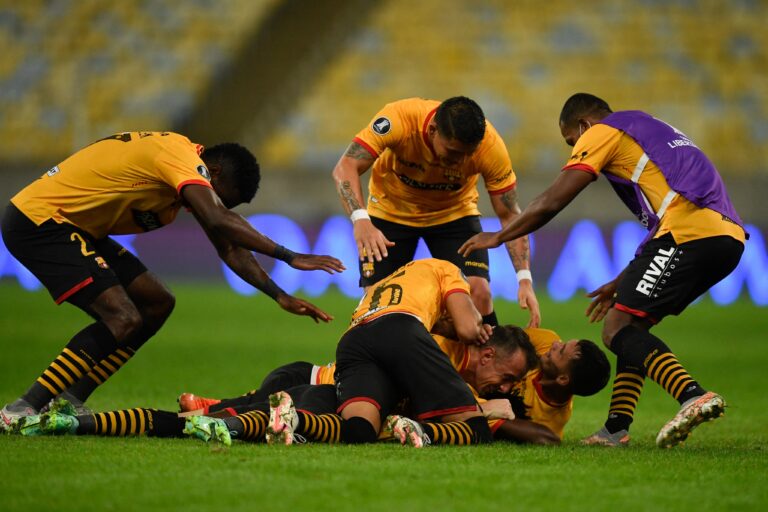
pixel 358 214
pixel 524 274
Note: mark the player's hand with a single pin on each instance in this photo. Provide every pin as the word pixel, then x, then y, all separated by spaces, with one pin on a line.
pixel 526 297
pixel 480 241
pixel 498 409
pixel 602 300
pixel 315 262
pixel 303 308
pixel 371 242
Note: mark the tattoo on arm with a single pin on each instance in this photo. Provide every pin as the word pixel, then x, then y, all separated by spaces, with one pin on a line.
pixel 509 199
pixel 358 152
pixel 348 196
pixel 519 252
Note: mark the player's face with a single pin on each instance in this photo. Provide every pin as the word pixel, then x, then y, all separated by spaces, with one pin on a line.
pixel 227 192
pixel 557 361
pixel 451 152
pixel 500 373
pixel 572 132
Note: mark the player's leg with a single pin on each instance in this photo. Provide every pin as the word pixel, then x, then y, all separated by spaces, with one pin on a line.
pixel 405 237
pixel 154 303
pixel 66 261
pixel 424 373
pixel 444 241
pixel 684 272
pixel 287 376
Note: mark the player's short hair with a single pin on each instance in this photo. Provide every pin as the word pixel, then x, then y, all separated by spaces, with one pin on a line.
pixel 582 104
pixel 462 119
pixel 238 163
pixel 509 338
pixel 590 371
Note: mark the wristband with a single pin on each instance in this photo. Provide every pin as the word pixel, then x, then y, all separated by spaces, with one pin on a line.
pixel 282 253
pixel 524 274
pixel 358 214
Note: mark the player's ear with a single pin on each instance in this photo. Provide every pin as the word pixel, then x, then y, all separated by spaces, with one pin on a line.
pixel 563 379
pixel 486 355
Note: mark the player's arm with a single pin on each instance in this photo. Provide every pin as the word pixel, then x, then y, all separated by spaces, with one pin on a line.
pixel 467 320
pixel 603 299
pixel 241 260
pixel 507 209
pixel 525 431
pixel 371 242
pixel 540 211
pixel 217 219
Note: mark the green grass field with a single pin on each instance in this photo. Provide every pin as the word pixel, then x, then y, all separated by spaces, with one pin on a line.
pixel 219 343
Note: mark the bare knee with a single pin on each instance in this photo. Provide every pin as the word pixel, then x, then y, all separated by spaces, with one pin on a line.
pixel 480 291
pixel 124 322
pixel 614 322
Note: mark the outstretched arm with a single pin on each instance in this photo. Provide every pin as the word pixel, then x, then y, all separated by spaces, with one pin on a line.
pixel 216 219
pixel 541 210
pixel 507 209
pixel 371 242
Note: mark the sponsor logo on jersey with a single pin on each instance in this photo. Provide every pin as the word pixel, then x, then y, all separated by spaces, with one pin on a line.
pixel 657 270
pixel 203 171
pixel 381 125
pixel 54 170
pixel 146 220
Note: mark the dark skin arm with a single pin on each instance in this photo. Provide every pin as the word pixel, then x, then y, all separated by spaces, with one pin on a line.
pixel 541 210
pixel 234 239
pixel 525 431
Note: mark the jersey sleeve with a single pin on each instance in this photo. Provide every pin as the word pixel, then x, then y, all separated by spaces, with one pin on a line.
pixel 594 150
pixel 387 129
pixel 542 339
pixel 453 280
pixel 496 167
pixel 179 165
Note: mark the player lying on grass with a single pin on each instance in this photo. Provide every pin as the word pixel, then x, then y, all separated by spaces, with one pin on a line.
pixel 486 367
pixel 542 402
pixel 695 239
pixel 132 182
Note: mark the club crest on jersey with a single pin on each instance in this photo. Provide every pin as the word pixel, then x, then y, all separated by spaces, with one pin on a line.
pixel 381 125
pixel 203 171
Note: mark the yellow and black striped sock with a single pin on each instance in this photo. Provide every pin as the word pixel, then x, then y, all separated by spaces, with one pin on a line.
pixel 128 422
pixel 75 361
pixel 249 426
pixel 322 428
pixel 106 368
pixel 456 432
pixel 627 387
pixel 665 370
pixel 641 350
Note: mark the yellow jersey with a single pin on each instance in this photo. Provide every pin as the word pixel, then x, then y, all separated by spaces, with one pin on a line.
pixel 603 148
pixel 127 183
pixel 418 288
pixel 409 185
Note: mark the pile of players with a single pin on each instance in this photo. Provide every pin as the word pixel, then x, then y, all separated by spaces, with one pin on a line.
pixel 423 360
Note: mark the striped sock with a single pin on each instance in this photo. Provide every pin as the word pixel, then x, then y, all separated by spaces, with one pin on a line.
pixel 627 387
pixel 472 431
pixel 322 428
pixel 249 426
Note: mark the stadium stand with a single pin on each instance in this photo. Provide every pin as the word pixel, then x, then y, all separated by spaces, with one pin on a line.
pixel 74 70
pixel 521 59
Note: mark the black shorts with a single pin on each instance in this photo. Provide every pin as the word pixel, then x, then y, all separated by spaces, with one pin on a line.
pixel 71 264
pixel 319 399
pixel 394 357
pixel 443 241
pixel 665 277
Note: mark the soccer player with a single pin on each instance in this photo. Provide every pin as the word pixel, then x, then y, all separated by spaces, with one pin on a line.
pixel 132 182
pixel 426 158
pixel 695 239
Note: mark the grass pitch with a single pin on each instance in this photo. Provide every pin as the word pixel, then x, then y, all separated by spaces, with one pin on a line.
pixel 221 344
